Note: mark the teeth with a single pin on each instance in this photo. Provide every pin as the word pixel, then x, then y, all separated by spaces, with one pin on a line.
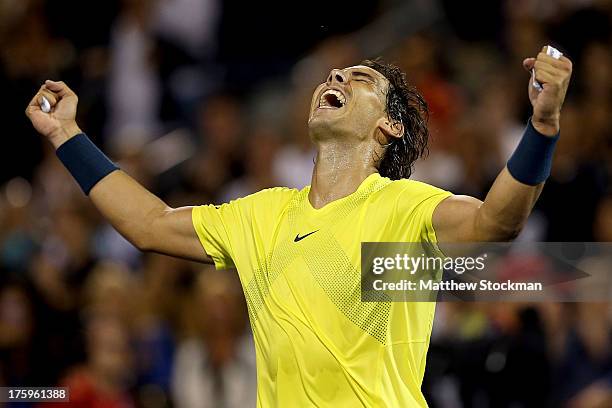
pixel 334 92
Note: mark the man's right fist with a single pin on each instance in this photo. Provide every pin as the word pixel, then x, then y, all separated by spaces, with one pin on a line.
pixel 59 124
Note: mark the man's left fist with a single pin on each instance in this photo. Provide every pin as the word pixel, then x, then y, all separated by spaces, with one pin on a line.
pixel 554 75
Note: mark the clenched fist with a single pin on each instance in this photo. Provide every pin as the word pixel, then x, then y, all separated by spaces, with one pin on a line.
pixel 59 124
pixel 554 75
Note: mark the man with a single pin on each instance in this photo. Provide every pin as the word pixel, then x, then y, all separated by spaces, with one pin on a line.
pixel 298 252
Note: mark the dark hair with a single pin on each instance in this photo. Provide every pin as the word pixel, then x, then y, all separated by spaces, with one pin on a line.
pixel 405 105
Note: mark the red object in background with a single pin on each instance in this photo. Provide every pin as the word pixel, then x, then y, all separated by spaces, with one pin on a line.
pixel 445 103
pixel 85 393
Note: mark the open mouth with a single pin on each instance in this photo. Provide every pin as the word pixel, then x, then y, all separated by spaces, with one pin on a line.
pixel 332 99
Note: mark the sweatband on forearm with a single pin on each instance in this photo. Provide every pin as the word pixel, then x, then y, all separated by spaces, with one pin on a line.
pixel 85 161
pixel 531 162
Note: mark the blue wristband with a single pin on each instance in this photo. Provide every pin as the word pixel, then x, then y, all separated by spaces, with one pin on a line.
pixel 85 161
pixel 531 162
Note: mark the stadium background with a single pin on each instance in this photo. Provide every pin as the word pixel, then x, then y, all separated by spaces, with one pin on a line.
pixel 204 101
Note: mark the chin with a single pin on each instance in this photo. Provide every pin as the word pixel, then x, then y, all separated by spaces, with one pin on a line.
pixel 326 126
pixel 323 129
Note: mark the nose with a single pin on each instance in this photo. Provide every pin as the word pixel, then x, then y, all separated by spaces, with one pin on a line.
pixel 336 76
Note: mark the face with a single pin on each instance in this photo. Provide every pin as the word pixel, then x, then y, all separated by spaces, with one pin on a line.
pixel 350 103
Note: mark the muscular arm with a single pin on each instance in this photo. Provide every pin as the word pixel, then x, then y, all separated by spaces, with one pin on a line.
pixel 509 202
pixel 145 220
pixel 499 218
pixel 140 216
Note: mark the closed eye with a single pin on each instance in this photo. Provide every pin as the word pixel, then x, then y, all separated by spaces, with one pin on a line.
pixel 363 77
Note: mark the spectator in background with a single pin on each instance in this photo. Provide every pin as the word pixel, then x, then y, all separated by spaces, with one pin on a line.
pixel 215 365
pixel 584 374
pixel 219 157
pixel 584 369
pixel 419 57
pixel 16 328
pixel 28 53
pixel 575 174
pixel 104 380
pixel 141 304
pixel 261 145
pixel 603 220
pixel 110 291
pixel 156 326
pixel 134 91
pixel 186 40
pixel 293 162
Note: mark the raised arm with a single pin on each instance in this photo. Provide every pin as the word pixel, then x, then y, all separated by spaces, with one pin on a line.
pixel 511 198
pixel 141 217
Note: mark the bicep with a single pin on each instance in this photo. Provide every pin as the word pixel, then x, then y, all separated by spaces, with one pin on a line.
pixel 176 235
pixel 455 219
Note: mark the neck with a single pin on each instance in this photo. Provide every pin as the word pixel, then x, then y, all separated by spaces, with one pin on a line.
pixel 340 167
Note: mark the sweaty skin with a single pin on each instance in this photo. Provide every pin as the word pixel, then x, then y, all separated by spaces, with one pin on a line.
pixel 348 140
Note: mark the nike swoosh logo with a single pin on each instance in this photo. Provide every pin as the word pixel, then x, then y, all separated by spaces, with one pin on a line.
pixel 298 238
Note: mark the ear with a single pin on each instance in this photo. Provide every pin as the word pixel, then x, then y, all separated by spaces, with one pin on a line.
pixel 391 129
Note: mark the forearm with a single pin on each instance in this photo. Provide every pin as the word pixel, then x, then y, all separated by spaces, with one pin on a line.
pixel 140 216
pixel 506 208
pixel 129 208
pixel 518 186
pixel 509 202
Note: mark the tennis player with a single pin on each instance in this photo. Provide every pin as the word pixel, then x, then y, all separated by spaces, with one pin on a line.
pixel 298 252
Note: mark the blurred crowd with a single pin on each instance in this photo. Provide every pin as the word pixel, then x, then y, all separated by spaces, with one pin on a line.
pixel 204 101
